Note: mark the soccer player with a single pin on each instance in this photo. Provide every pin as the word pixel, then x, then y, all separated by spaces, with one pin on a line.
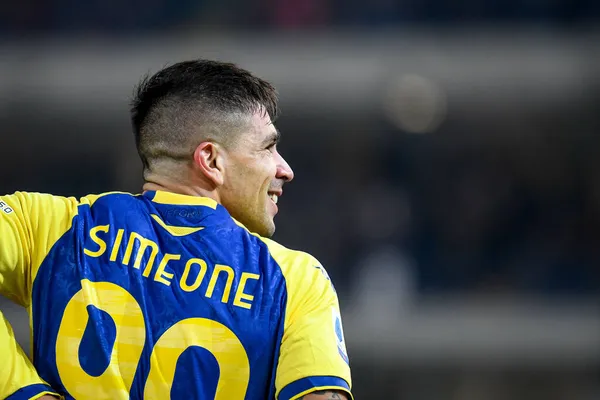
pixel 177 292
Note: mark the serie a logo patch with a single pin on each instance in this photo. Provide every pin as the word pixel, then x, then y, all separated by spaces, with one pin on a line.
pixel 339 333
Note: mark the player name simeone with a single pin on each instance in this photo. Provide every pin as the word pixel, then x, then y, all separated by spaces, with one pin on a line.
pixel 190 279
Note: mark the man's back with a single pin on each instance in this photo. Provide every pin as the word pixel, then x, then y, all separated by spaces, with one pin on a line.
pixel 162 295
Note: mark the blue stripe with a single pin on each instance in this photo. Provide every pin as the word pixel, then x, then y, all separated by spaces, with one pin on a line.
pixel 304 384
pixel 30 391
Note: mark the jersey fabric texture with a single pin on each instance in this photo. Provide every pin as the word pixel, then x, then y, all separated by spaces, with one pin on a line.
pixel 160 296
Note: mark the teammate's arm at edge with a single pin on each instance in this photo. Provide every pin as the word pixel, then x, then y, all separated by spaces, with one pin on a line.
pixel 325 395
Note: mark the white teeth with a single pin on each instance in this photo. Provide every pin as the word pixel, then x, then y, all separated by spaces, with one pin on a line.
pixel 274 198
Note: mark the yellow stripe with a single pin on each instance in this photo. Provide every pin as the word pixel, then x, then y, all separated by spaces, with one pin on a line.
pixel 174 198
pixel 176 230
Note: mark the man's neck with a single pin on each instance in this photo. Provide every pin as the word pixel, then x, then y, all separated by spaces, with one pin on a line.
pixel 172 187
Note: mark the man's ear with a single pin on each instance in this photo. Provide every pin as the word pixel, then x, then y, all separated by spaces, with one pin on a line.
pixel 208 158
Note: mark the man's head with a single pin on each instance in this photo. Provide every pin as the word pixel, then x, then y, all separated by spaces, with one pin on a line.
pixel 208 126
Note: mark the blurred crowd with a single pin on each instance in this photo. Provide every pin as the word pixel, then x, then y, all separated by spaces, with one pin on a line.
pixel 114 17
pixel 508 209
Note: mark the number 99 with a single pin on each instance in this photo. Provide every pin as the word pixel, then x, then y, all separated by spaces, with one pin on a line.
pixel 115 382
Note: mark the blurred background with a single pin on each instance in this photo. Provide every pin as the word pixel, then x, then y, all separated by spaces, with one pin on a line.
pixel 446 159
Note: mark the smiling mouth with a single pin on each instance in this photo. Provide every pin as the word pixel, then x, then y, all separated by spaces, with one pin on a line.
pixel 274 198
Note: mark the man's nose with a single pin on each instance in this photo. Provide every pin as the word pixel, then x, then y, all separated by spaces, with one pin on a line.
pixel 284 171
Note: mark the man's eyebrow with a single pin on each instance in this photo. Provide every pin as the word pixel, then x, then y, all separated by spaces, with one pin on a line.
pixel 274 137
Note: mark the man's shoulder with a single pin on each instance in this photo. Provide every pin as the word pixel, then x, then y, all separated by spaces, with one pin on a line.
pixel 39 199
pixel 296 265
pixel 288 256
pixel 107 197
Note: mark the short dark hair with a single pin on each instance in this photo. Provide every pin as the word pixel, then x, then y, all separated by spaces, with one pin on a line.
pixel 194 100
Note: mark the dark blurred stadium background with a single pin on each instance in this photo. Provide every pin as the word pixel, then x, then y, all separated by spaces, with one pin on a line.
pixel 446 157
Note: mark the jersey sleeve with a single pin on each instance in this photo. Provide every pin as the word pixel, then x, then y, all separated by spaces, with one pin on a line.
pixel 30 224
pixel 18 377
pixel 312 352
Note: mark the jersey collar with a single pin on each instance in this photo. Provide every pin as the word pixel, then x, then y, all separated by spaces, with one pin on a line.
pixel 162 197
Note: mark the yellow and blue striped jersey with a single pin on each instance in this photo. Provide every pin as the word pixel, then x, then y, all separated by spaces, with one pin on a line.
pixel 163 295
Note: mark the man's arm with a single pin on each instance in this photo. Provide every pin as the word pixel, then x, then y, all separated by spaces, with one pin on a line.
pixel 325 395
pixel 18 378
pixel 30 224
pixel 312 353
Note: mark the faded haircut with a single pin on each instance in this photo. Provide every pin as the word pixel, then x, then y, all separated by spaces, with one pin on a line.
pixel 189 102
